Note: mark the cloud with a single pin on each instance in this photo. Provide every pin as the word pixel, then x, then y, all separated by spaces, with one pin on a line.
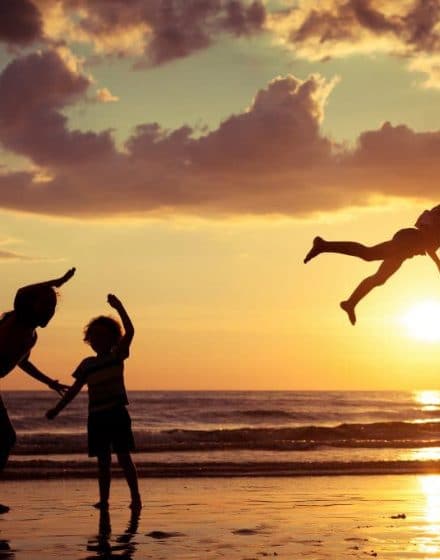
pixel 10 256
pixel 20 22
pixel 6 255
pixel 156 31
pixel 270 158
pixel 33 125
pixel 338 28
pixel 105 96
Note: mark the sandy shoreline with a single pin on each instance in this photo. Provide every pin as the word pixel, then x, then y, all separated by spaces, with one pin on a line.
pixel 239 519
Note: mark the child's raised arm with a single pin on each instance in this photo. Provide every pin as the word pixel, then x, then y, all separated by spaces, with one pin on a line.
pixel 125 342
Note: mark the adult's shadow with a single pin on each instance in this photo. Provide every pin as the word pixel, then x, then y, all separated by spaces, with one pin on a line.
pixel 123 547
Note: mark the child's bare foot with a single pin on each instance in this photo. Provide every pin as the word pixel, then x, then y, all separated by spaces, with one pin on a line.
pixel 317 247
pixel 4 509
pixel 101 505
pixel 349 309
pixel 136 503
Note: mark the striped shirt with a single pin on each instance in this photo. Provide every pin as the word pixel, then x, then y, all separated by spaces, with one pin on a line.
pixel 105 381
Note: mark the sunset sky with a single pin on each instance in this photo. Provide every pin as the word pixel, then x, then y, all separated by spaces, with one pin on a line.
pixel 182 154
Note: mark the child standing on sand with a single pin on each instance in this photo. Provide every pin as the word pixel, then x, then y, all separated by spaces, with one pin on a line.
pixel 109 424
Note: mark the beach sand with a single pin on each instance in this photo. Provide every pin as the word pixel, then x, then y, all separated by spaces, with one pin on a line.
pixel 235 518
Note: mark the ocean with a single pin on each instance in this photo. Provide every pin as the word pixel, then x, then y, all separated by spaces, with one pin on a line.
pixel 239 433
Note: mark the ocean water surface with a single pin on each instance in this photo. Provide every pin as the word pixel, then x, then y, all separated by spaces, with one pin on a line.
pixel 239 433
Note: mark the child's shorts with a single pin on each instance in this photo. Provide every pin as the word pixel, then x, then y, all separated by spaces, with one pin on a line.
pixel 110 430
pixel 407 243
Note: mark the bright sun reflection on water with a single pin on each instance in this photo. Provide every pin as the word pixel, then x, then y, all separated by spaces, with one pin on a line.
pixel 425 454
pixel 430 400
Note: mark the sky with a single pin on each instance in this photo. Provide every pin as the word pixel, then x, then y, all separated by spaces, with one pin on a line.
pixel 183 154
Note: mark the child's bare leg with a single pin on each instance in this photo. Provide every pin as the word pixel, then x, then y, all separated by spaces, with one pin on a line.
pixel 350 248
pixel 129 469
pixel 386 269
pixel 104 478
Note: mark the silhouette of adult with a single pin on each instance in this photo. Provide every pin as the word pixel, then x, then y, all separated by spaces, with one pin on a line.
pixel 34 306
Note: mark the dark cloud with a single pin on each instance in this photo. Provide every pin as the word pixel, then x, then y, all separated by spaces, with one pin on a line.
pixel 32 124
pixel 280 127
pixel 170 29
pixel 420 25
pixel 270 158
pixel 344 21
pixel 158 31
pixel 413 27
pixel 20 22
pixel 371 18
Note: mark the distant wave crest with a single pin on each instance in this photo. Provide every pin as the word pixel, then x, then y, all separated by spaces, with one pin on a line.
pixel 380 435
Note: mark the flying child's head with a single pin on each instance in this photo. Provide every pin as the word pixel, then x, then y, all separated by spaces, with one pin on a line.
pixel 102 333
pixel 35 305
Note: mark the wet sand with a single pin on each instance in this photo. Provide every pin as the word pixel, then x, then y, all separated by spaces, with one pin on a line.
pixel 239 519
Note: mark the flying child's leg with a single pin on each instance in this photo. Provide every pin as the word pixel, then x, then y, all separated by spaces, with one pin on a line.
pixel 386 269
pixel 350 248
pixel 104 478
pixel 129 469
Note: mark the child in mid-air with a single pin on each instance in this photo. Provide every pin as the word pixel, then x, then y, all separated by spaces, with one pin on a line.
pixel 424 239
pixel 109 424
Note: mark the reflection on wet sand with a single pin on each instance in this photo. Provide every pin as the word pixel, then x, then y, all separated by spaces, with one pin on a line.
pixel 6 551
pixel 429 540
pixel 121 547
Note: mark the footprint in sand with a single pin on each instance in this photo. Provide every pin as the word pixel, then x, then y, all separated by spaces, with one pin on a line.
pixel 163 535
pixel 255 531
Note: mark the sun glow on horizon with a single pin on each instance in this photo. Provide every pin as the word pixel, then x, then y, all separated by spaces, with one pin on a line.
pixel 422 321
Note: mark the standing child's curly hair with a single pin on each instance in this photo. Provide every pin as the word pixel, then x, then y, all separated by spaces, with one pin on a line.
pixel 112 326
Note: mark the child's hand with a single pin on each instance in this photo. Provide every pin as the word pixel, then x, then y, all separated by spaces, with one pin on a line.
pixel 114 301
pixel 60 388
pixel 50 414
pixel 65 278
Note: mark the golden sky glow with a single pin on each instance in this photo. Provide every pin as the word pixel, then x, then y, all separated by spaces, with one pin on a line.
pixel 190 177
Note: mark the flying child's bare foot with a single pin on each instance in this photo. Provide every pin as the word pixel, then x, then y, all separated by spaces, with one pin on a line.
pixel 317 247
pixel 349 309
pixel 101 505
pixel 4 509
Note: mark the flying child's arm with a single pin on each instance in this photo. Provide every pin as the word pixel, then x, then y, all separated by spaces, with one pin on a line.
pixel 34 372
pixel 124 344
pixel 66 399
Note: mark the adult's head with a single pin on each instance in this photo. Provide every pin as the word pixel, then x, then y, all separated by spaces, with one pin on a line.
pixel 35 305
